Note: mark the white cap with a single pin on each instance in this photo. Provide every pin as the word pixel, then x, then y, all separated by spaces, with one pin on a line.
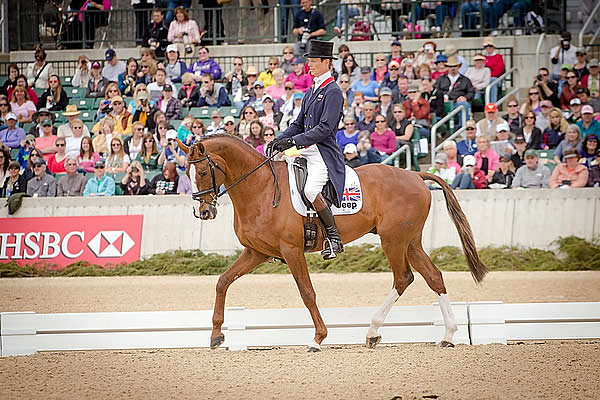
pixel 11 115
pixel 469 160
pixel 172 47
pixel 350 148
pixel 171 134
pixel 502 127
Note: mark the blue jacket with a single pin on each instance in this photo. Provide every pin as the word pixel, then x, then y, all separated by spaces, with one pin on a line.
pixel 104 187
pixel 317 124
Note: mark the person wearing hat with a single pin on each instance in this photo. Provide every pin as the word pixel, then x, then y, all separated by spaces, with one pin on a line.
pixel 100 184
pixel 365 85
pixel 291 115
pixel 216 125
pixel 174 67
pixel 495 62
pixel 502 144
pixel 212 94
pixel 479 75
pixel 395 52
pixel 302 80
pixel 468 146
pixel 171 152
pixel 229 126
pixel 155 35
pixel 583 94
pixel 39 116
pixel 520 145
pixel 564 53
pixel 391 81
pixel 385 101
pixel 351 157
pixel 169 103
pixel 416 107
pixel 451 50
pixel 504 175
pixel 440 168
pixel 570 173
pixel 123 118
pixel 236 79
pixel 587 125
pixel 270 117
pixel 594 171
pixel 548 87
pixel 313 133
pixel 42 184
pixel 455 87
pixel 574 114
pixel 14 182
pixel 247 91
pixel 45 142
pixel 580 67
pixel 470 176
pixel 113 67
pixel 309 25
pixel 72 184
pixel 592 80
pixel 65 130
pixel 25 149
pixel 487 126
pixel 12 135
pixel 97 84
pixel 440 66
pixel 542 120
pixel 256 100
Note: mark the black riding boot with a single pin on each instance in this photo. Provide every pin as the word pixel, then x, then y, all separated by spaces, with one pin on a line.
pixel 333 242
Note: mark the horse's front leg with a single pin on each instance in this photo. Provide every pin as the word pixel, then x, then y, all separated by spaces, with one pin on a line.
pixel 296 261
pixel 246 262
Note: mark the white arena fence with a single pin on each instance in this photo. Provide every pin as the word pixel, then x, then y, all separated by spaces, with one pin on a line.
pixel 25 333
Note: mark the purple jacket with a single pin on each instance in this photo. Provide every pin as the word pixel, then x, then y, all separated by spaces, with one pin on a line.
pixel 12 138
pixel 317 124
pixel 203 67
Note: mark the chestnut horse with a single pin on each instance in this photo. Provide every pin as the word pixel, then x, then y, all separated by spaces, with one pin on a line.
pixel 395 206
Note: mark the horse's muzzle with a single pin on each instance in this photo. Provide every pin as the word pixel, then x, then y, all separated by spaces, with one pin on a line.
pixel 205 212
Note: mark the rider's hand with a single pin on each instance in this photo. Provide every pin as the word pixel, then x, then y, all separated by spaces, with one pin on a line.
pixel 282 145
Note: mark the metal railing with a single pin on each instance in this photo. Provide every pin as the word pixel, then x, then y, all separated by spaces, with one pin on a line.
pixel 460 109
pixel 589 20
pixel 395 156
pixel 538 49
pixel 501 78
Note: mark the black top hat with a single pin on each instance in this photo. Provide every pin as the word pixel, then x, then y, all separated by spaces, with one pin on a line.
pixel 320 49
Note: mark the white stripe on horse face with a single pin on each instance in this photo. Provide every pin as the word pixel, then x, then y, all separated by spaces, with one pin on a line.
pixel 193 178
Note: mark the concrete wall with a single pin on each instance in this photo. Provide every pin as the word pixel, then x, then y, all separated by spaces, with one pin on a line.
pixel 528 218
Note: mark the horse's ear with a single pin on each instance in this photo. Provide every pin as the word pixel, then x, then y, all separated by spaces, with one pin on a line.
pixel 200 147
pixel 183 147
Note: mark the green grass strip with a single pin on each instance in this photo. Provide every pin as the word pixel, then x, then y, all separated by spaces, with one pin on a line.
pixel 572 254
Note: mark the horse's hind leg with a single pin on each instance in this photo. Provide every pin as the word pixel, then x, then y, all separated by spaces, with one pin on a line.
pixel 403 277
pixel 421 262
pixel 246 262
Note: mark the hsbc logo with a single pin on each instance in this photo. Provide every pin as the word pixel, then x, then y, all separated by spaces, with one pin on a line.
pixel 111 244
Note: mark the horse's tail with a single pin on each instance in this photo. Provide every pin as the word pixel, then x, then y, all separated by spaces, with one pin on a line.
pixel 476 266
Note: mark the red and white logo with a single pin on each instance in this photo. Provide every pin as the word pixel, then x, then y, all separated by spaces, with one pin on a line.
pixel 64 240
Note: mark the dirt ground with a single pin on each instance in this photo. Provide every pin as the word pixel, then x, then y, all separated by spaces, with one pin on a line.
pixel 564 369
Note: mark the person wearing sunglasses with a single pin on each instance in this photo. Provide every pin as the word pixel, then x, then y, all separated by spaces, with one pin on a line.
pixel 41 184
pixel 236 78
pixel 212 94
pixel 14 182
pixel 148 157
pixel 97 84
pixel 287 57
pixel 569 90
pixel 299 77
pixel 54 98
pixel 592 80
pixel 380 72
pixel 533 102
pixel 100 184
pixel 123 118
pixel 12 135
pixel 548 87
pixel 56 162
pixel 72 184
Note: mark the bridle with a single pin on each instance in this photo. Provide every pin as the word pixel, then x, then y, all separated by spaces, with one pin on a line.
pixel 214 190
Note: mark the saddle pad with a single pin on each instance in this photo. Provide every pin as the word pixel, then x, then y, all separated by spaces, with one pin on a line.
pixel 351 198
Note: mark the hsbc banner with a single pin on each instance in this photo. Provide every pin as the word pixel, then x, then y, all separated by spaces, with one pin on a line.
pixel 100 240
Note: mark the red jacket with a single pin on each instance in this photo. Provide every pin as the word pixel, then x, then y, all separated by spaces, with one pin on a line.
pixel 496 64
pixel 479 179
pixel 420 110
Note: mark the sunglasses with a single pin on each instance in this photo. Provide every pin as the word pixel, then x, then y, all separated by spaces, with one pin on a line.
pixel 117 103
pixel 471 129
pixel 533 93
pixel 268 134
pixel 3 105
pixel 288 52
pixel 248 112
pixel 59 144
pixel 543 74
pixel 349 123
pixel 13 167
pixel 145 66
pixel 571 77
pixel 149 141
pixel 116 145
pixel 253 76
pixel 273 63
pixel 529 117
pixel 237 64
pixel 394 69
pixel 215 117
pixel 197 126
pixel 380 121
pixel 349 60
pixel 380 59
pixel 52 81
pixel 398 112
pixel 74 127
pixel 139 129
pixel 289 88
pixel 512 105
pixel 206 82
pixel 98 167
pixel 229 123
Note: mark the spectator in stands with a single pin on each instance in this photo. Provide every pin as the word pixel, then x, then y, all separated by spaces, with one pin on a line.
pixel 134 182
pixel 268 135
pixel 198 132
pixel 408 67
pixel 73 142
pixel 542 119
pixel 572 141
pixel 548 87
pixel 113 67
pixel 391 80
pixel 185 34
pixel 505 173
pixel 532 134
pixel 402 94
pixel 365 85
pixel 247 115
pixel 291 115
pixel 270 117
pixel 440 168
pixel 347 93
pixel 38 117
pixel 12 135
pixel 308 25
pixel 97 83
pixel 383 138
pixel 568 92
pixel 349 134
pixel 133 144
pixel 4 161
pixel 41 184
pixel 13 182
pixel 71 184
pixel 501 144
pixel 286 60
pixel 127 79
pixel 592 80
pixel 256 134
pixel 343 51
pixel 56 161
pixel 456 88
pixel 468 146
pixel 147 71
pixel 247 91
pixel 302 80
pixel 21 105
pixel 440 66
pixel 123 118
pixel 470 177
pixel 87 157
pixel 148 54
pixel 161 126
pixel 564 53
pixel 569 174
pixel 351 157
pixel 266 76
pixel 112 90
pixel 513 117
pixel 4 111
pixel 256 101
pixel 171 152
pixel 351 68
pixel 532 174
pixel 167 182
pixel 230 126
pixel 71 114
pixel 452 51
pixel 169 104
pixel 157 87
pixel 286 103
pixel 574 114
pixel 184 132
pixel 580 67
pixel 39 71
pixel 395 52
pixel 236 79
pixel 22 82
pixel 357 106
pixel 277 90
pixel 589 148
pixel 454 160
pixel 28 172
pixel 479 75
pixel 486 158
pixel 424 71
pixel 518 157
pixel 148 156
pixel 141 107
pixel 588 125
pixel 25 148
pixel 81 77
pixel 380 71
pixel 100 184
pixel 366 152
pixel 583 94
pixel 212 94
pixel 216 126
pixel 11 80
pixel 562 78
pixel 54 98
pixel 368 121
pixel 555 132
pixel 45 142
pixel 385 102
pixel 117 160
pixel 495 62
pixel 156 34
pixel 205 65
pixel 427 54
pixel 487 126
pixel 190 92
pixel 417 108
pixel 594 172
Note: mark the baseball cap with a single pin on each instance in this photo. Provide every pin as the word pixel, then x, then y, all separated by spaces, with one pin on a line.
pixel 413 87
pixel 441 158
pixel 491 107
pixel 579 90
pixel 593 63
pixel 396 43
pixel 259 83
pixel 479 57
pixel 39 161
pixel 471 124
pixel 569 154
pixel 228 119
pixel 31 138
pixel 96 64
pixel 171 134
pixel 168 87
pixel 469 161
pixel 546 103
pixel 587 109
pixel 267 96
pixel 109 54
pixel 172 47
pixel 504 157
pixel 393 64
pixel 575 101
pixel 530 152
pixel 11 115
pixel 298 60
pixel 568 67
pixel 385 91
pixel 441 58
pixel 298 96
pixel 251 70
pixel 47 122
pixel 365 69
pixel 99 164
pixel 350 148
pixel 519 138
pixel 116 99
pixel 502 127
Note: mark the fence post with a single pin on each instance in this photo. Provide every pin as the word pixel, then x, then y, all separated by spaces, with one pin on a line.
pixel 481 19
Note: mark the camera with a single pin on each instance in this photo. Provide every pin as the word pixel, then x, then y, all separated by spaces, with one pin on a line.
pixel 144 102
pixel 538 77
pixel 305 35
pixel 134 169
pixel 186 42
pixel 154 45
pixel 565 42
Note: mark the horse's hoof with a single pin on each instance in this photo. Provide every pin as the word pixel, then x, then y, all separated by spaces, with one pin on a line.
pixel 311 349
pixel 373 341
pixel 444 343
pixel 217 341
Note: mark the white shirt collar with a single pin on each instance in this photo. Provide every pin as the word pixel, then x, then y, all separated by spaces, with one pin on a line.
pixel 320 79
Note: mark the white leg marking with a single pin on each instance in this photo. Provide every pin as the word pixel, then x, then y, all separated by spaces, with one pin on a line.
pixel 314 345
pixel 449 320
pixel 383 311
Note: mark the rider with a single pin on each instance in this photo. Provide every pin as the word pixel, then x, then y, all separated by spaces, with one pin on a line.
pixel 313 133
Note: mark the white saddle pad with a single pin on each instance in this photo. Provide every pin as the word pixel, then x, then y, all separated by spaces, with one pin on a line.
pixel 351 197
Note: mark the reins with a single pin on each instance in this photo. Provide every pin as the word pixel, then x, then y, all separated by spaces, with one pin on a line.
pixel 214 191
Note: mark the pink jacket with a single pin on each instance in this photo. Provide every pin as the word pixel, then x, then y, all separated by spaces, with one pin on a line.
pixel 385 142
pixel 577 176
pixel 302 82
pixel 105 4
pixel 493 160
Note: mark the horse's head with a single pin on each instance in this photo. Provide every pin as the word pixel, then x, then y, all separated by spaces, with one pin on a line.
pixel 206 177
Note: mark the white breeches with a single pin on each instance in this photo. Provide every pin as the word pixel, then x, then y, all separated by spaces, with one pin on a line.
pixel 317 172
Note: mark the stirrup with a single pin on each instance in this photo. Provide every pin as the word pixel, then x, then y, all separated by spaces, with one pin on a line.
pixel 330 250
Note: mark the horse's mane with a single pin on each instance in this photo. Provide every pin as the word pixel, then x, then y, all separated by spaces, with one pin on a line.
pixel 228 136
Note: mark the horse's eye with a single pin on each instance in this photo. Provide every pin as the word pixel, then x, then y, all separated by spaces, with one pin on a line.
pixel 203 173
